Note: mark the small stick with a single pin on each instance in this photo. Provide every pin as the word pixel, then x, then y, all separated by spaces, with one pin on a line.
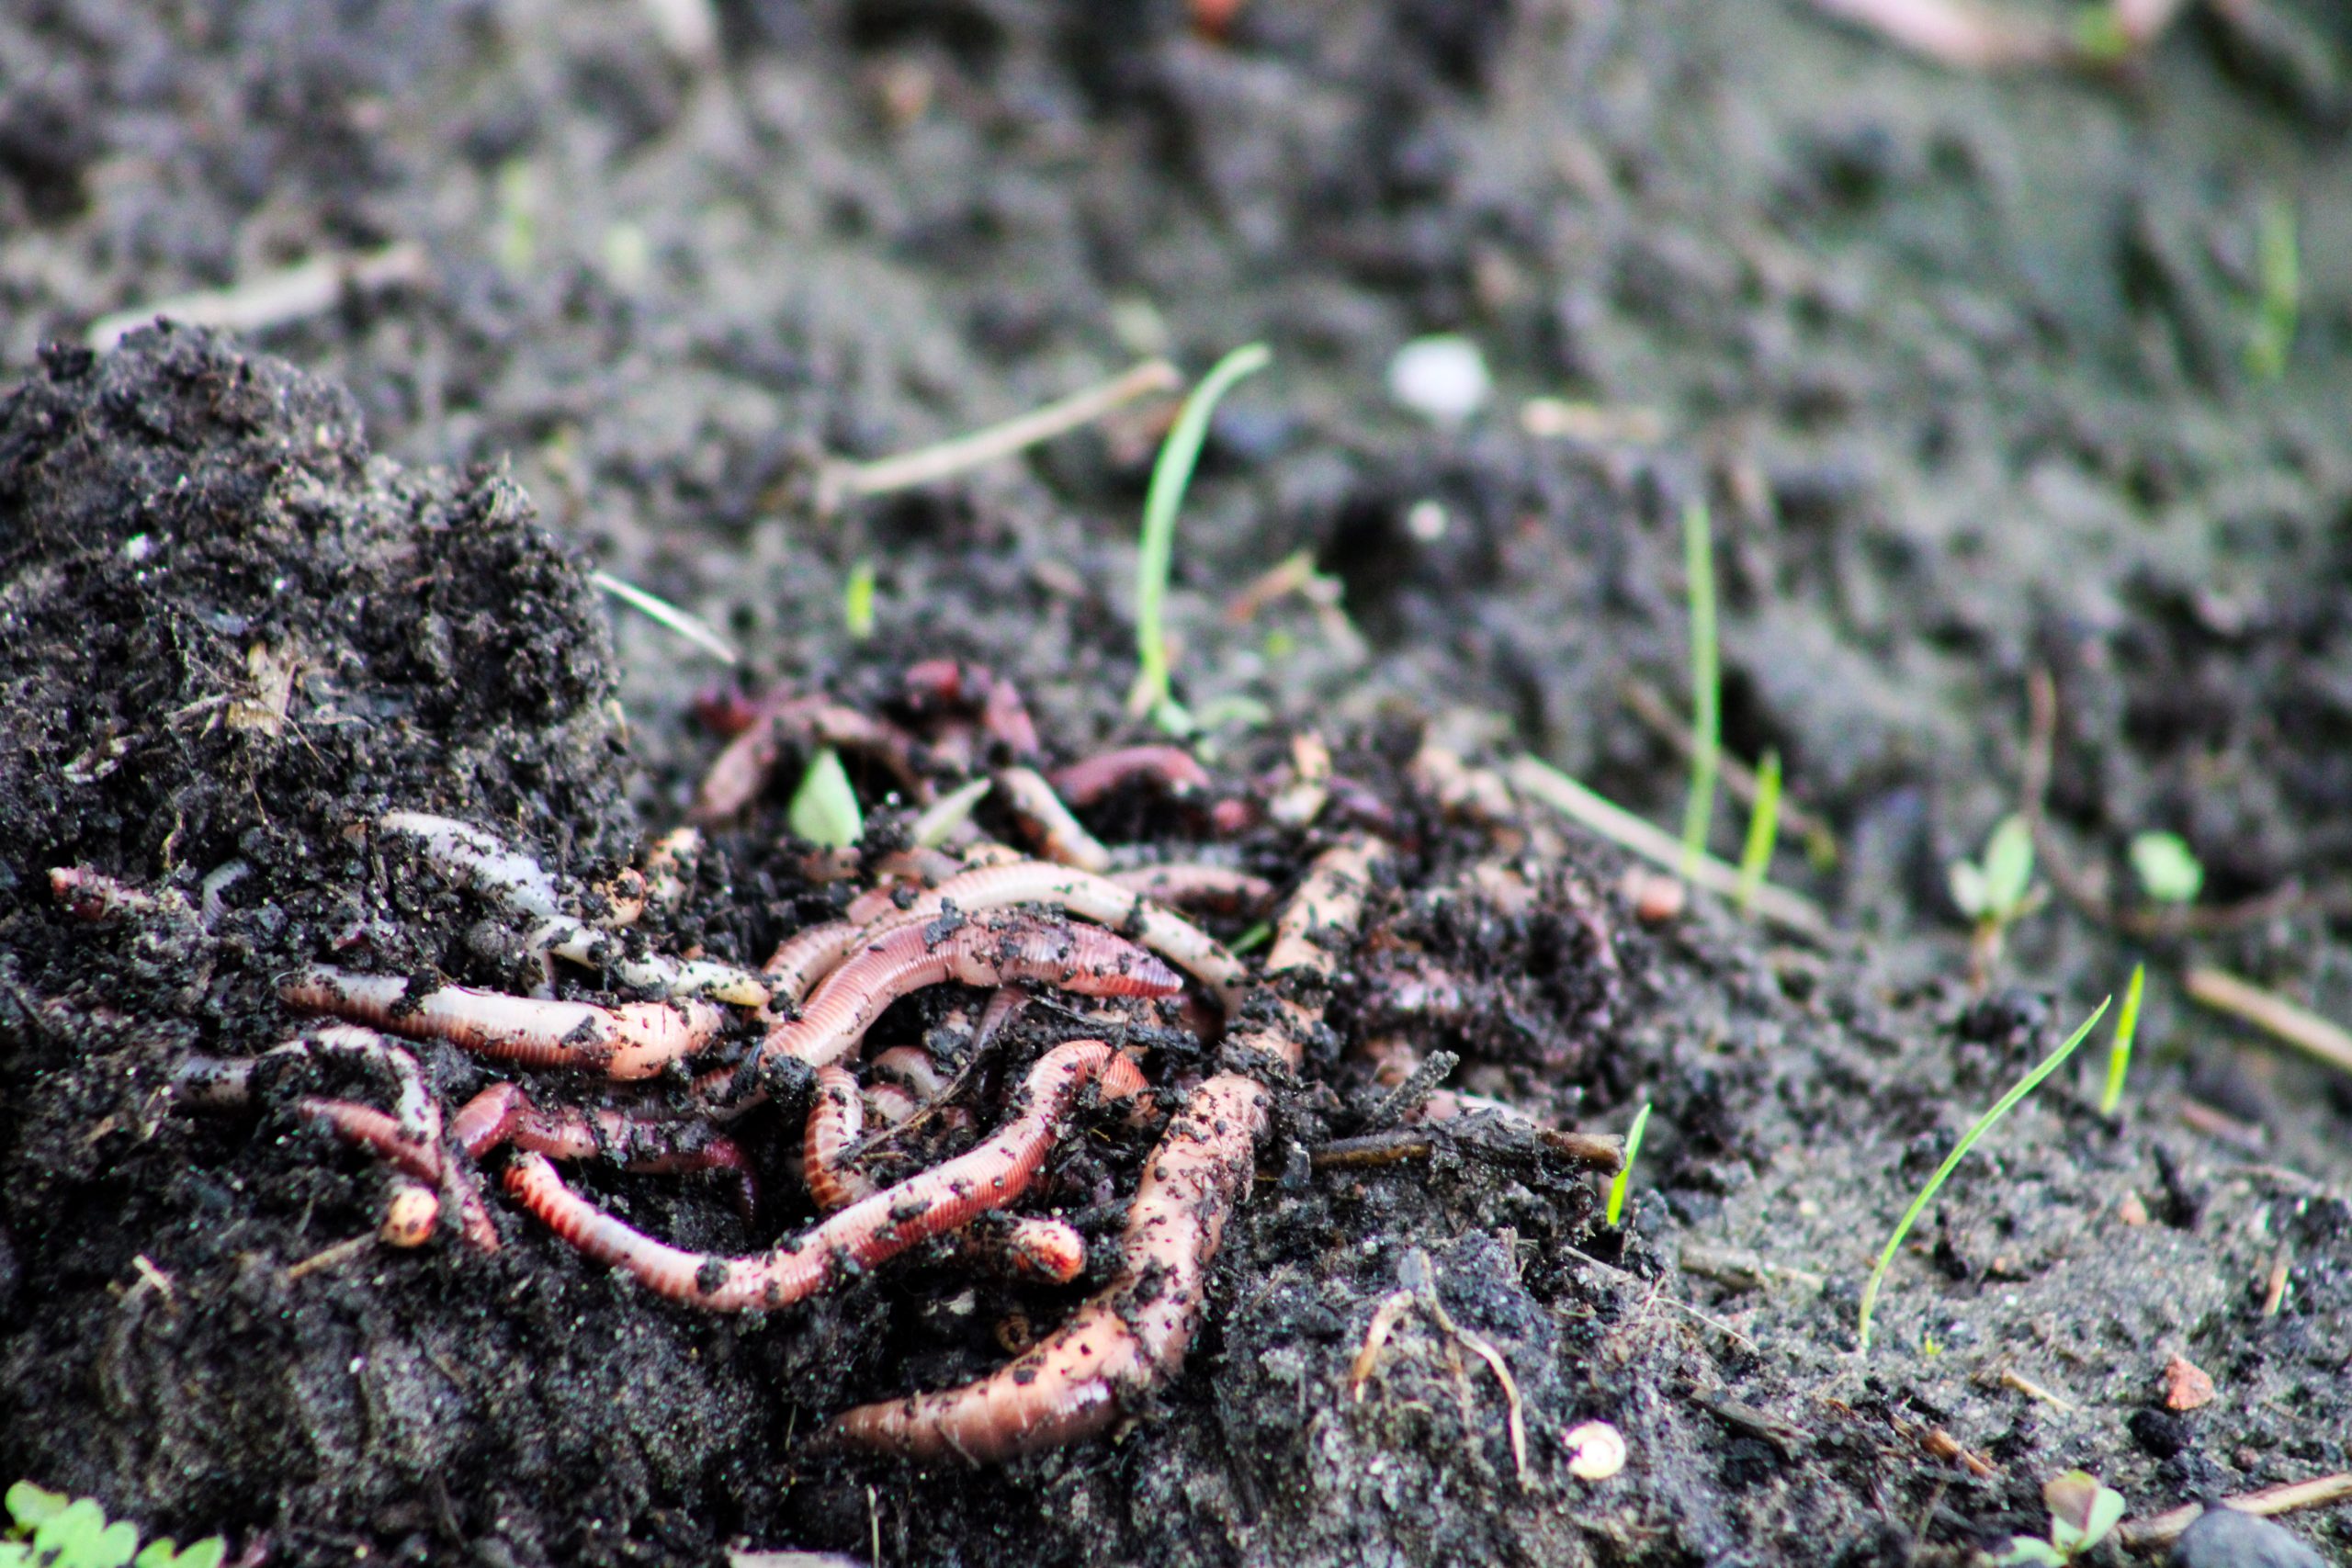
pixel 275 298
pixel 687 625
pixel 2272 1013
pixel 1622 828
pixel 330 1257
pixel 2163 1529
pixel 838 481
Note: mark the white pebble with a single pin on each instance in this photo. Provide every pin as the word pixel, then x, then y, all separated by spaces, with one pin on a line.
pixel 1596 1451
pixel 1443 379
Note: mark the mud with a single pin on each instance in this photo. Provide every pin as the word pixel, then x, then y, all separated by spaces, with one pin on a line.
pixel 1959 361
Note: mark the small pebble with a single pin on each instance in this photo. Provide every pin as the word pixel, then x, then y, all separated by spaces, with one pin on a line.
pixel 1596 1451
pixel 1442 378
pixel 1656 897
pixel 2223 1537
pixel 2131 1211
pixel 2186 1386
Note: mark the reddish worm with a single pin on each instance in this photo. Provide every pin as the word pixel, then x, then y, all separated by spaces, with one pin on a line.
pixel 634 1040
pixel 941 1199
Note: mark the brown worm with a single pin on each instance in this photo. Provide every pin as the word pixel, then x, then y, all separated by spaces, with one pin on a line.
pixel 634 1040
pixel 742 768
pixel 911 955
pixel 944 1198
pixel 1128 1338
pixel 503 1113
pixel 1173 768
pixel 934 683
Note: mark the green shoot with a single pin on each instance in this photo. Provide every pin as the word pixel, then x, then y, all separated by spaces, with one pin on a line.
pixel 2279 285
pixel 2119 1056
pixel 515 239
pixel 1170 477
pixel 1997 892
pixel 857 600
pixel 1763 831
pixel 824 809
pixel 2001 1108
pixel 2081 1514
pixel 51 1530
pixel 1256 937
pixel 1706 684
pixel 2168 870
pixel 1617 1183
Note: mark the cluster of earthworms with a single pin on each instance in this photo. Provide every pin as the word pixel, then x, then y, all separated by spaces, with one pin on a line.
pixel 947 906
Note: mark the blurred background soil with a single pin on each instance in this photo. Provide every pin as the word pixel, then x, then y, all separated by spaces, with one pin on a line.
pixel 1971 369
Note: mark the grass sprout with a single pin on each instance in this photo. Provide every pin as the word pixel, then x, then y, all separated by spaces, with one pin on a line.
pixel 1706 683
pixel 2119 1056
pixel 52 1530
pixel 1618 1182
pixel 1997 892
pixel 2278 284
pixel 824 809
pixel 2001 1108
pixel 946 814
pixel 2083 1513
pixel 1171 475
pixel 1763 832
pixel 857 600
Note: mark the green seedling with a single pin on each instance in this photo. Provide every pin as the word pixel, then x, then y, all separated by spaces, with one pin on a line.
pixel 1997 892
pixel 2007 1103
pixel 1256 937
pixel 2168 870
pixel 1706 684
pixel 1618 1182
pixel 857 600
pixel 2081 1514
pixel 949 812
pixel 2119 1056
pixel 824 809
pixel 47 1530
pixel 1763 831
pixel 2278 284
pixel 1171 474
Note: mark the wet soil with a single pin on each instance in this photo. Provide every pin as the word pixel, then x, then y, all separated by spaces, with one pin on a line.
pixel 1960 362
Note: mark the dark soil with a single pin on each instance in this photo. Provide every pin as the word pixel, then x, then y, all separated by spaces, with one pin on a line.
pixel 1958 361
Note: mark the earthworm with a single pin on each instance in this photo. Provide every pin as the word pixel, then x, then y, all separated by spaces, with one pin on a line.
pixel 1090 898
pixel 634 1040
pixel 1220 887
pixel 944 1198
pixel 911 956
pixel 1044 1249
pixel 875 903
pixel 1128 1338
pixel 1059 837
pixel 808 956
pixel 947 683
pixel 505 1113
pixel 743 766
pixel 912 1066
pixel 1171 767
pixel 410 1214
pixel 97 898
pixel 415 1154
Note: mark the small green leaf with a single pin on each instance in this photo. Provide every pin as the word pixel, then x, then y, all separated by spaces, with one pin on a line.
pixel 205 1553
pixel 1968 889
pixel 29 1505
pixel 73 1532
pixel 2107 1512
pixel 1619 1182
pixel 2008 867
pixel 114 1546
pixel 824 809
pixel 2026 1550
pixel 15 1554
pixel 857 600
pixel 2168 870
pixel 157 1554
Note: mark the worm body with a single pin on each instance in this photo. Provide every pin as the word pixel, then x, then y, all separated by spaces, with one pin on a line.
pixel 874 1229
pixel 634 1040
pixel 1173 768
pixel 1126 1340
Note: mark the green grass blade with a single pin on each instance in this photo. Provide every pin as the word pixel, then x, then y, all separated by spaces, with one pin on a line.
pixel 1763 831
pixel 1706 683
pixel 1179 454
pixel 1618 1182
pixel 2119 1056
pixel 2007 1103
pixel 857 600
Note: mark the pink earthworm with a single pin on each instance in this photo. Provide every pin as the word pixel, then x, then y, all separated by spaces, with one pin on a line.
pixel 948 682
pixel 1220 887
pixel 1058 836
pixel 1173 768
pixel 911 956
pixel 1126 1341
pixel 419 1158
pixel 867 1231
pixel 634 1040
pixel 505 1113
